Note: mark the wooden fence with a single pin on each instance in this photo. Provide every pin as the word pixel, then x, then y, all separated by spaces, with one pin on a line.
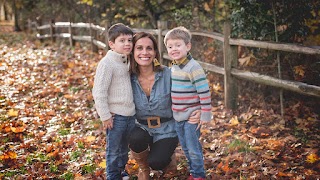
pixel 230 55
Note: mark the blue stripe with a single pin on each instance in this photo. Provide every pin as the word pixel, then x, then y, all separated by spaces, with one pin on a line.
pixel 203 86
pixel 178 86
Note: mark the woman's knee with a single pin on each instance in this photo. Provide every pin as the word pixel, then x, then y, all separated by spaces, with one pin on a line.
pixel 157 163
pixel 138 140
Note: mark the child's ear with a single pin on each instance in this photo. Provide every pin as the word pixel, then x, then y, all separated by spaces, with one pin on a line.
pixel 189 46
pixel 111 44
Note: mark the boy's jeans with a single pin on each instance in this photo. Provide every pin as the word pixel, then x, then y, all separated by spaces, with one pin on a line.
pixel 117 145
pixel 189 141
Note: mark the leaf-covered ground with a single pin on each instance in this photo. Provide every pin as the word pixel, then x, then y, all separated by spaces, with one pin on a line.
pixel 50 130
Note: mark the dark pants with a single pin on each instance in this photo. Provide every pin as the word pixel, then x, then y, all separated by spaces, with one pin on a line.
pixel 160 151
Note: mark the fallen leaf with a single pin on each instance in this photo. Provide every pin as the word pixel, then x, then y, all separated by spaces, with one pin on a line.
pixel 12 113
pixel 234 121
pixel 312 158
pixel 103 164
pixel 90 138
pixel 18 129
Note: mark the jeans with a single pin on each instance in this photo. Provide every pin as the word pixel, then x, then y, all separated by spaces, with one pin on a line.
pixel 117 145
pixel 189 140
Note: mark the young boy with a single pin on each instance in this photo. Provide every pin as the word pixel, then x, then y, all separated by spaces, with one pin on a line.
pixel 113 98
pixel 189 92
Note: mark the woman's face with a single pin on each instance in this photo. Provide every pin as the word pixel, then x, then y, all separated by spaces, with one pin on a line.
pixel 144 52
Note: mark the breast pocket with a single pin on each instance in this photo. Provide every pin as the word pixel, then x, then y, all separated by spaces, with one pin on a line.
pixel 139 101
pixel 165 101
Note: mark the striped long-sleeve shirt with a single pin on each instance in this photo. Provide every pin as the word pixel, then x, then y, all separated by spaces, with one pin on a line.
pixel 190 91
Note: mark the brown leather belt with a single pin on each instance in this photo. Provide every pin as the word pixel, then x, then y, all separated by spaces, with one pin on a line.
pixel 154 121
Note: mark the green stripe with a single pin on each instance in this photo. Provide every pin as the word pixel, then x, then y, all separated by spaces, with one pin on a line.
pixel 198 80
pixel 181 80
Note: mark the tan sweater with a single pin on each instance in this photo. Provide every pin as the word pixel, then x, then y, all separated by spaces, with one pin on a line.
pixel 112 91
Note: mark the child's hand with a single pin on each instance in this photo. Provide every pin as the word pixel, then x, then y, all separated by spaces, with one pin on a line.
pixel 194 117
pixel 108 124
pixel 201 123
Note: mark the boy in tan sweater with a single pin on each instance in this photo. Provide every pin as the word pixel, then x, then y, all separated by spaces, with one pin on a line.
pixel 113 98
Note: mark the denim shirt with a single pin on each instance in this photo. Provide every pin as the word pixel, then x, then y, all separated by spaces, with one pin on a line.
pixel 158 104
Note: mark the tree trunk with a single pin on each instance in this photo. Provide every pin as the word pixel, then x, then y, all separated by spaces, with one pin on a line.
pixel 16 16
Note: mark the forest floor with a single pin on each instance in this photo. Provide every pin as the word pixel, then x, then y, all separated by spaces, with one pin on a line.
pixel 49 128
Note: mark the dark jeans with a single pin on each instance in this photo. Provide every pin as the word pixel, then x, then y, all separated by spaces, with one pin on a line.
pixel 117 145
pixel 160 151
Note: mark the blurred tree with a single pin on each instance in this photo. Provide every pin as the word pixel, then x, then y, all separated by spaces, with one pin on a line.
pixel 253 19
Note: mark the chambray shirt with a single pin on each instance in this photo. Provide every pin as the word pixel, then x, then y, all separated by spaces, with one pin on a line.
pixel 158 104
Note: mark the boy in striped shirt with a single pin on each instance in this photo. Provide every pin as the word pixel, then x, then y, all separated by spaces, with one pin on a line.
pixel 189 92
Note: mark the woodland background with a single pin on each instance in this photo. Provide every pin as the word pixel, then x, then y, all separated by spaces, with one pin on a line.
pixel 49 128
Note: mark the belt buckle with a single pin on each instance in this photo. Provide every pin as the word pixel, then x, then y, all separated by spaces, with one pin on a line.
pixel 154 118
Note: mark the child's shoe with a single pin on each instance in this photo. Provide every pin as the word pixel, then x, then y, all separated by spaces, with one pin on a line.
pixel 190 177
pixel 125 175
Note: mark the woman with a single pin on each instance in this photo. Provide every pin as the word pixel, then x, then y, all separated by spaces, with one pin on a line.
pixel 153 140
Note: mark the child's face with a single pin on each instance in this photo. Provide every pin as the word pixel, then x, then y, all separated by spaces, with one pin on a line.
pixel 122 44
pixel 177 49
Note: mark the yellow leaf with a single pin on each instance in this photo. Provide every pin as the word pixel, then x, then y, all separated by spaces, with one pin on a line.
pixel 90 138
pixel 234 121
pixel 18 129
pixel 249 60
pixel 312 158
pixel 103 164
pixel 12 113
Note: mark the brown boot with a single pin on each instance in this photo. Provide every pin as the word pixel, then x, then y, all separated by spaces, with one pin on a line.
pixel 171 169
pixel 141 159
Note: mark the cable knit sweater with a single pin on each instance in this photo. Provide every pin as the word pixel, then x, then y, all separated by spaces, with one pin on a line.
pixel 112 92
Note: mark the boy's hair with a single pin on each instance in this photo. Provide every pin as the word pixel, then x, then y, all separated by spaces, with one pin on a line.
pixel 117 29
pixel 178 33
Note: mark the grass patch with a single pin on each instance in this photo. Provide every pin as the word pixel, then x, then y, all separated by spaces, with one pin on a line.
pixel 88 168
pixel 67 176
pixel 239 146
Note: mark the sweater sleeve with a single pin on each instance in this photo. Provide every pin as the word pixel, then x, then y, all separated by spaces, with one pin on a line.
pixel 199 79
pixel 101 85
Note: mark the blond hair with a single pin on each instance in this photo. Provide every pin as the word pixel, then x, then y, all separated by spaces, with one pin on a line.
pixel 178 33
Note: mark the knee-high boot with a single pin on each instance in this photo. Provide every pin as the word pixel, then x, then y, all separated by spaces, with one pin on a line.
pixel 141 159
pixel 171 169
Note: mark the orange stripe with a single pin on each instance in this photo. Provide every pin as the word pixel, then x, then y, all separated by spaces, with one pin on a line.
pixel 189 97
pixel 204 98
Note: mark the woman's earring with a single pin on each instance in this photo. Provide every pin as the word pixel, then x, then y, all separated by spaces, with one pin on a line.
pixel 156 62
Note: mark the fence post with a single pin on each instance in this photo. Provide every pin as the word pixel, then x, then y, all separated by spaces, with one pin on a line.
pixel 162 25
pixel 93 35
pixel 39 32
pixel 230 56
pixel 105 33
pixel 52 31
pixel 71 41
pixel 29 26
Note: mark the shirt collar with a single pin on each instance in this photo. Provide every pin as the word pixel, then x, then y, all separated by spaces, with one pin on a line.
pixel 183 62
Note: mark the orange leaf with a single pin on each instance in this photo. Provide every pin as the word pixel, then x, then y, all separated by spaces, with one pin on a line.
pixel 8 155
pixel 54 153
pixel 312 158
pixel 18 129
pixel 281 174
